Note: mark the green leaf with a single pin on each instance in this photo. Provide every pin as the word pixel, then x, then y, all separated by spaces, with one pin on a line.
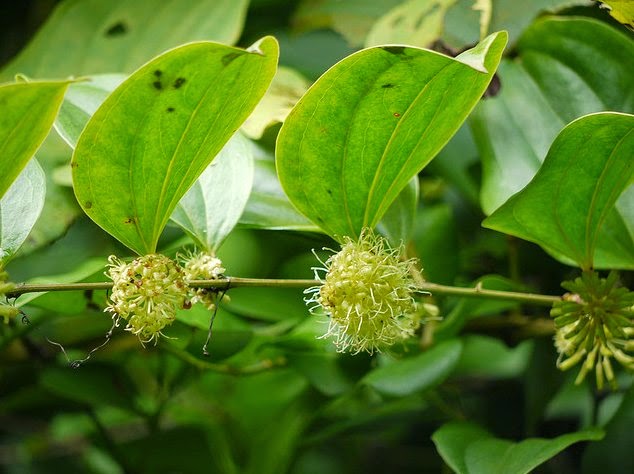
pixel 420 372
pixel 28 112
pixel 157 132
pixel 103 36
pixel 80 103
pixel 613 454
pixel 413 22
pixel 371 123
pixel 398 221
pixel 353 19
pixel 212 206
pixel 563 208
pixel 268 207
pixel 467 448
pixel 19 209
pixel 621 10
pixel 286 89
pixel 565 68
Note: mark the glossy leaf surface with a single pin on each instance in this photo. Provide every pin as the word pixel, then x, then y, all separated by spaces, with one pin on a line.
pixel 467 448
pixel 372 122
pixel 170 119
pixel 564 207
pixel 420 372
pixel 562 72
pixel 28 112
pixel 19 209
pixel 212 206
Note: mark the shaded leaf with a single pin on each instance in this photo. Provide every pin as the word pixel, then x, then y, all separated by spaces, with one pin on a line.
pixel 268 207
pixel 468 448
pixel 286 89
pixel 371 123
pixel 170 119
pixel 212 206
pixel 421 372
pixel 413 22
pixel 19 209
pixel 28 112
pixel 398 221
pixel 562 71
pixel 353 19
pixel 563 208
pixel 119 36
pixel 80 103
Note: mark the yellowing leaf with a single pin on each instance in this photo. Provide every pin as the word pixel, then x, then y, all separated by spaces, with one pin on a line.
pixel 621 10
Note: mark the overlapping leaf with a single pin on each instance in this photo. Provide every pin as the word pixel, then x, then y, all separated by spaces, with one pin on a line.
pixel 156 133
pixel 28 112
pixel 104 36
pixel 372 122
pixel 19 209
pixel 212 206
pixel 565 68
pixel 565 206
pixel 467 448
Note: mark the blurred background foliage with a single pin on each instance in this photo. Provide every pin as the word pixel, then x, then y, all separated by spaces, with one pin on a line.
pixel 273 398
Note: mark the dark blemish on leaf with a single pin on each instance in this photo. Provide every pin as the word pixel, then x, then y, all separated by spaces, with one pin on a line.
pixel 88 204
pixel 117 29
pixel 394 49
pixel 387 86
pixel 179 82
pixel 158 73
pixel 158 85
pixel 329 191
pixel 396 114
pixel 170 109
pixel 228 58
pixel 74 164
pixel 129 220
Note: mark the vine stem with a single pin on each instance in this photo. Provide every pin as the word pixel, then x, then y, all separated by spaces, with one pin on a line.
pixel 468 292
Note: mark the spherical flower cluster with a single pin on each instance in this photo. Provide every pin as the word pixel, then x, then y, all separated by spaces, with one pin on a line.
pixel 203 266
pixel 594 324
pixel 146 293
pixel 367 292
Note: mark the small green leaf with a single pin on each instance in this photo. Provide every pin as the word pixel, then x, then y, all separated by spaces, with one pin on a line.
pixel 371 123
pixel 563 208
pixel 28 112
pixel 469 449
pixel 212 206
pixel 397 222
pixel 420 372
pixel 19 209
pixel 157 132
pixel 268 207
pixel 119 36
pixel 80 103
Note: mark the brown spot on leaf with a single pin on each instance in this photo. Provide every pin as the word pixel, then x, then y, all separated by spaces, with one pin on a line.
pixel 170 110
pixel 179 82
pixel 158 85
pixel 88 204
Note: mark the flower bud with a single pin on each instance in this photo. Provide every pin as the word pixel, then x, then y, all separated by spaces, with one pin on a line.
pixel 594 324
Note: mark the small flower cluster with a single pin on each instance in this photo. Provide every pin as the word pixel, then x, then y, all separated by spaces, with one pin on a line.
pixel 6 311
pixel 594 323
pixel 203 266
pixel 146 293
pixel 367 292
